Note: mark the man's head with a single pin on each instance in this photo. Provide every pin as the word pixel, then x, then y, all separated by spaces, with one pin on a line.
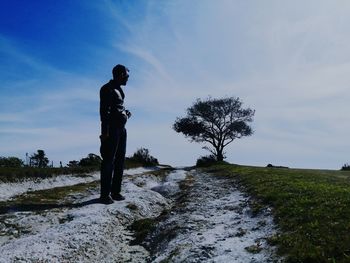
pixel 120 74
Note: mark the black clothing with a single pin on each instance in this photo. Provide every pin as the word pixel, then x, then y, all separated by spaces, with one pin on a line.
pixel 113 120
pixel 112 111
pixel 106 200
pixel 112 167
pixel 117 197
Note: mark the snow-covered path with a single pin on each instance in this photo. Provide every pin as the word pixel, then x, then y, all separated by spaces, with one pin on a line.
pixel 212 222
pixel 209 220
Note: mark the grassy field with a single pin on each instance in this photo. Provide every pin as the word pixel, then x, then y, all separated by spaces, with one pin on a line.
pixel 311 209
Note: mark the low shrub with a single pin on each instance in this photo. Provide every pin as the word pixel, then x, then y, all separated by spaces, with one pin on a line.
pixel 10 162
pixel 346 167
pixel 208 160
pixel 143 157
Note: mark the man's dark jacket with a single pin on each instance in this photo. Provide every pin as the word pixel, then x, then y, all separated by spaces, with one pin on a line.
pixel 112 111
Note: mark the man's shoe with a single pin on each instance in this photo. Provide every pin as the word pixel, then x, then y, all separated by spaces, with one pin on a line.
pixel 106 200
pixel 117 197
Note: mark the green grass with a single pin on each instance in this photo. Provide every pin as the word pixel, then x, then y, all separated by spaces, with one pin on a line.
pixel 142 228
pixel 311 209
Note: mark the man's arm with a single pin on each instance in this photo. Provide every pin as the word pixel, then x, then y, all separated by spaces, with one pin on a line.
pixel 104 113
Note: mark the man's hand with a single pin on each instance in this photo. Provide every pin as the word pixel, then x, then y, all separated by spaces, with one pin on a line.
pixel 104 137
pixel 128 113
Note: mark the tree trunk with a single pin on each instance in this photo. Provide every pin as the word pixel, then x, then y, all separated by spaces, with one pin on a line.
pixel 219 156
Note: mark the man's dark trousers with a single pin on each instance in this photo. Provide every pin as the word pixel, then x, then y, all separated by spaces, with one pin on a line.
pixel 113 157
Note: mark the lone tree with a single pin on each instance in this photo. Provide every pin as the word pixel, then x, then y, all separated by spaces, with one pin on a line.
pixel 216 122
pixel 39 159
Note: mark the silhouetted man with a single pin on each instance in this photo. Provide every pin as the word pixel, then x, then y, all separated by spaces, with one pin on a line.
pixel 113 135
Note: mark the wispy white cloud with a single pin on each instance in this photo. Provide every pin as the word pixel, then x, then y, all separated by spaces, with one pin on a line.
pixel 289 61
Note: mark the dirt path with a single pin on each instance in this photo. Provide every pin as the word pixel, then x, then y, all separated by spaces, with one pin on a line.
pixel 212 222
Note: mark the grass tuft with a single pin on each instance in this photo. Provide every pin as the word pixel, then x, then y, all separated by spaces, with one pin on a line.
pixel 142 228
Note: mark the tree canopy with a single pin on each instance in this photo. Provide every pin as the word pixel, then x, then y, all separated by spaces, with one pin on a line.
pixel 217 122
pixel 39 159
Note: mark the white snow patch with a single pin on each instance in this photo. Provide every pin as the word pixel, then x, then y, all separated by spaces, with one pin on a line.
pixel 140 170
pixel 170 186
pixel 91 233
pixel 217 226
pixel 10 190
pixel 176 176
pixel 165 186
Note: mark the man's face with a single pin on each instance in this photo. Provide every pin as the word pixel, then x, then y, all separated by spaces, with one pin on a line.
pixel 124 76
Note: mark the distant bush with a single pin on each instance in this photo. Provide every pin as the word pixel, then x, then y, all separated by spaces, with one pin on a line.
pixel 143 157
pixel 92 160
pixel 11 162
pixel 346 167
pixel 206 160
pixel 73 164
pixel 274 166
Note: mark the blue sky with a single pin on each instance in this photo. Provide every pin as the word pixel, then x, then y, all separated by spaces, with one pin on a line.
pixel 289 61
